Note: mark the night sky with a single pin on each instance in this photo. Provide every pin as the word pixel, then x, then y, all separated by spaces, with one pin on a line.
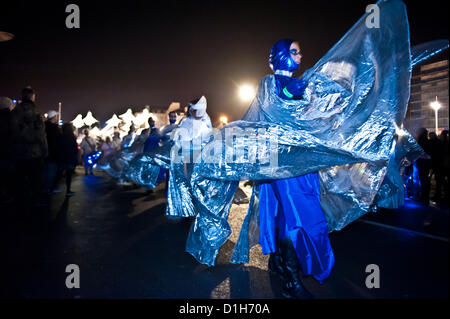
pixel 134 53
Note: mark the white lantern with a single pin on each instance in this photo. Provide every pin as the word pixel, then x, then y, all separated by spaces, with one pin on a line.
pixel 89 119
pixel 78 121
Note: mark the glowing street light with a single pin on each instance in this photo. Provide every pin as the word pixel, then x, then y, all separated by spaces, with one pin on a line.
pixel 435 105
pixel 224 119
pixel 246 92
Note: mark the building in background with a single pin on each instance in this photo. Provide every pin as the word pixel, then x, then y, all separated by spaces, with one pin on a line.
pixel 429 80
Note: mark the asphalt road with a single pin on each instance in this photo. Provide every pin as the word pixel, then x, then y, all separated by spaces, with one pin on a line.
pixel 125 247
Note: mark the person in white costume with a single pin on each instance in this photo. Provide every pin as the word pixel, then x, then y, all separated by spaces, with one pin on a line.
pixel 197 126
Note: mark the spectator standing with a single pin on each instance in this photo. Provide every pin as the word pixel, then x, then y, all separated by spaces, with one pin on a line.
pixel 69 157
pixel 128 140
pixel 29 144
pixel 6 163
pixel 54 151
pixel 443 137
pixel 437 163
pixel 116 140
pixel 88 147
pixel 167 130
pixel 423 164
pixel 154 136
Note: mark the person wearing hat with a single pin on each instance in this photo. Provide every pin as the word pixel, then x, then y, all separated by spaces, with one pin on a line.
pixel 6 164
pixel 54 151
pixel 197 125
pixel 194 129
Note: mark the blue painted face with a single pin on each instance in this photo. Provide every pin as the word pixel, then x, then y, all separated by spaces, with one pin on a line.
pixel 280 57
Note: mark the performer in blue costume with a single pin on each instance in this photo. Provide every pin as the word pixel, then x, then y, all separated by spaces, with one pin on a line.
pixel 342 133
pixel 292 206
pixel 345 128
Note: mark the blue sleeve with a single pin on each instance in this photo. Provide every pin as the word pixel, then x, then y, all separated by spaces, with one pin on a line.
pixel 290 88
pixel 294 89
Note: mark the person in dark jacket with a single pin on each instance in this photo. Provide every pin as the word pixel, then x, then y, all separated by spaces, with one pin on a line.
pixel 443 137
pixel 423 164
pixel 154 136
pixel 437 149
pixel 6 164
pixel 29 145
pixel 54 152
pixel 69 155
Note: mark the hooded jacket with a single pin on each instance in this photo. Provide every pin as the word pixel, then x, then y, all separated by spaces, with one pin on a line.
pixel 28 132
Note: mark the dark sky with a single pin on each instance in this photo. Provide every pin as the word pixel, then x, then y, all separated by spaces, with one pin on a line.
pixel 133 53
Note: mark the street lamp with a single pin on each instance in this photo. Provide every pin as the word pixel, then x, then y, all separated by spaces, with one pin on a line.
pixel 224 120
pixel 436 106
pixel 246 92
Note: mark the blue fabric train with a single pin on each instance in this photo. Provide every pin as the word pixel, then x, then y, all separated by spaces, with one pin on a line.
pixel 344 127
pixel 339 138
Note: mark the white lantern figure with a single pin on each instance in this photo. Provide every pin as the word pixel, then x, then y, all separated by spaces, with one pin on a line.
pixel 127 117
pixel 113 121
pixel 95 132
pixel 78 121
pixel 89 119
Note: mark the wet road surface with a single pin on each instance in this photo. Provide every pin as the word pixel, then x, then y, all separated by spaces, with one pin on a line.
pixel 125 247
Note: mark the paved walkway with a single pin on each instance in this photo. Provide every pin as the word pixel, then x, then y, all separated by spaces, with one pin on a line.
pixel 126 248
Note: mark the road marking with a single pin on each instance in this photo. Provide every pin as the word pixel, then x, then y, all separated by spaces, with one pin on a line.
pixel 444 239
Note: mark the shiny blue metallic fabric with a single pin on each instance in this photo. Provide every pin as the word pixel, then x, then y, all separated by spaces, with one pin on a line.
pixel 344 128
pixel 391 193
pixel 424 51
pixel 280 58
pixel 250 230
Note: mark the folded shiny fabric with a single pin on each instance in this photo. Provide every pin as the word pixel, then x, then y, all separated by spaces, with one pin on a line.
pixel 347 127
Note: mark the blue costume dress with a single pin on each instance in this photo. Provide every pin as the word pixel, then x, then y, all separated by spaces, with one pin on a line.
pixel 290 208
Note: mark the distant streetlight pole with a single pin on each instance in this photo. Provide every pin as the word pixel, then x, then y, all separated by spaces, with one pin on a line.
pixel 59 113
pixel 435 105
